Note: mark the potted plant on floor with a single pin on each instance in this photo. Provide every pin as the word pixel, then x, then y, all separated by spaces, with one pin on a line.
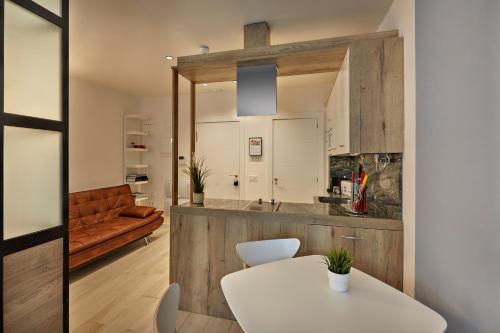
pixel 198 173
pixel 339 264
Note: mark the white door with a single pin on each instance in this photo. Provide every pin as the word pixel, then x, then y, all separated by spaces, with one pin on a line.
pixel 218 143
pixel 295 162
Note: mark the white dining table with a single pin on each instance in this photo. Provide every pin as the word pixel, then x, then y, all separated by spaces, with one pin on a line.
pixel 294 296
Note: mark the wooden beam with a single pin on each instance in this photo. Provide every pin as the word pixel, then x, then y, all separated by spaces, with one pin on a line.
pixel 315 56
pixel 257 35
pixel 175 136
pixel 192 130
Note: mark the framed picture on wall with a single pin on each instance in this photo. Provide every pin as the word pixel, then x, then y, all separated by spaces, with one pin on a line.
pixel 255 146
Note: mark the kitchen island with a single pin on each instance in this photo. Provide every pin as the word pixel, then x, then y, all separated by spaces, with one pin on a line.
pixel 203 239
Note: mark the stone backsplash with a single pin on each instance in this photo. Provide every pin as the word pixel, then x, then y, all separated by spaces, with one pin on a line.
pixel 384 187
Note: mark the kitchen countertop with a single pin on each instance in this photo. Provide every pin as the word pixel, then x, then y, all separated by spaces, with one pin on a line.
pixel 375 210
pixel 316 210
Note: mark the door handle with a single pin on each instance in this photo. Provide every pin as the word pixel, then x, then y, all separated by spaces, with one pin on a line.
pixel 351 237
pixel 235 181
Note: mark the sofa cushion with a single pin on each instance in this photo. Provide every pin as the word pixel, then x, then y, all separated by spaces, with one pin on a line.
pixel 126 224
pixel 137 211
pixel 75 246
pixel 90 235
pixel 95 206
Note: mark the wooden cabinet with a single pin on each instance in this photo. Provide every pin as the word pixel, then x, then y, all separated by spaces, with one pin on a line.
pixel 203 248
pixel 337 111
pixel 321 239
pixel 366 106
pixel 378 253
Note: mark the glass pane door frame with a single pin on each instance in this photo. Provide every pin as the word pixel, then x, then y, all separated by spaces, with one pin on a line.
pixel 24 242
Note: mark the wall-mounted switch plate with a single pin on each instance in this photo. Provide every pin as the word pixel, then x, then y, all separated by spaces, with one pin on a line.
pixel 253 178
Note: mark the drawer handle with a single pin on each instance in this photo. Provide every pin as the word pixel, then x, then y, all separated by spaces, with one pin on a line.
pixel 351 237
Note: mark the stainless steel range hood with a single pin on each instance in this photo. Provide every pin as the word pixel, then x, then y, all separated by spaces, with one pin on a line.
pixel 256 90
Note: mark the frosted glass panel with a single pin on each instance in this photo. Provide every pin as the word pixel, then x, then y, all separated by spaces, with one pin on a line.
pixel 32 180
pixel 53 5
pixel 32 64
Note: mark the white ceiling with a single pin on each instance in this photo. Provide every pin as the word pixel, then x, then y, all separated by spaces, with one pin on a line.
pixel 123 43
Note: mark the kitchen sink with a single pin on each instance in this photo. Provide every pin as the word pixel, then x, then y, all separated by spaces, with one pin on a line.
pixel 334 200
pixel 263 207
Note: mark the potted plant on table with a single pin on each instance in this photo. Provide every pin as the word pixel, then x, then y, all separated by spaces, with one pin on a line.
pixel 198 173
pixel 339 264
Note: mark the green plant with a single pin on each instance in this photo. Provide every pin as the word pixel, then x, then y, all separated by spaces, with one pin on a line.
pixel 198 173
pixel 338 261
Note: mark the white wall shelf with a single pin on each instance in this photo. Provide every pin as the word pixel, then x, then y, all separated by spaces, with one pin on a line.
pixel 137 166
pixel 137 161
pixel 139 183
pixel 138 149
pixel 137 133
pixel 136 116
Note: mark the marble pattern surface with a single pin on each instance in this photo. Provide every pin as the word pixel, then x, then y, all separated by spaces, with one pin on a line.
pixel 309 209
pixel 384 187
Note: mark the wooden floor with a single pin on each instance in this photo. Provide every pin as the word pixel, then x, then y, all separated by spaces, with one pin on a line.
pixel 119 293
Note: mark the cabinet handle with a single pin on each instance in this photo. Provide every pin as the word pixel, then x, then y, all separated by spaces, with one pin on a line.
pixel 341 145
pixel 352 237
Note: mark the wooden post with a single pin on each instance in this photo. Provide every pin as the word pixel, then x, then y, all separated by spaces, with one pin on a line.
pixel 175 136
pixel 192 130
pixel 257 35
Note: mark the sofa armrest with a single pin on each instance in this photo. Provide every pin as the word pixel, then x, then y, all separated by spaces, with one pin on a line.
pixel 137 211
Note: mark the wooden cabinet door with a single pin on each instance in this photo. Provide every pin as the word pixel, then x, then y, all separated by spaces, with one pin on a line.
pixel 321 239
pixel 338 110
pixel 376 96
pixel 379 253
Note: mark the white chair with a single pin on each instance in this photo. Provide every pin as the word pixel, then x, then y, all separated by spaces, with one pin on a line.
pixel 166 311
pixel 261 252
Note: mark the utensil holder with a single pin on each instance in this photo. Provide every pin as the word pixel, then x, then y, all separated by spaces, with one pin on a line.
pixel 358 205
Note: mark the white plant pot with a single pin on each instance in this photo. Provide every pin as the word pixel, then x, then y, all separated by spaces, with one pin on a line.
pixel 338 282
pixel 198 198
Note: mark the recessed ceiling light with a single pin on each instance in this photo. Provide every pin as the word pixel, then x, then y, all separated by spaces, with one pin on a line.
pixel 234 81
pixel 205 84
pixel 169 57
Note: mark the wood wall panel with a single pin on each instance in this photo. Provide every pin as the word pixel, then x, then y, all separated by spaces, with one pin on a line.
pixel 236 231
pixel 174 245
pixel 185 251
pixel 256 35
pixel 216 251
pixel 271 230
pixel 33 289
pixel 199 261
pixel 307 57
pixel 296 230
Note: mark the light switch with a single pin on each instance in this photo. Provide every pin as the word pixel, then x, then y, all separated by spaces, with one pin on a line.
pixel 253 178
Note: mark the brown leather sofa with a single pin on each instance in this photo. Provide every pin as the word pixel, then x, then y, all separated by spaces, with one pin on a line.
pixel 105 219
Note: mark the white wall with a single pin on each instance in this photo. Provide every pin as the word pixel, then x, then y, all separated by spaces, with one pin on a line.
pixel 401 16
pixel 221 106
pixel 458 140
pixel 96 135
